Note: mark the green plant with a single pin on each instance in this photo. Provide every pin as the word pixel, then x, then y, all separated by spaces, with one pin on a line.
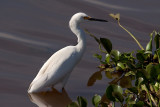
pixel 135 75
pixel 117 17
pixel 125 69
pixel 81 102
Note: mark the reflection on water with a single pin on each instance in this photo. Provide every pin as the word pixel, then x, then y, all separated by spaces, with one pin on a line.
pixel 50 99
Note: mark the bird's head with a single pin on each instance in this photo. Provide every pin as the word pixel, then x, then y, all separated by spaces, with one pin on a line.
pixel 82 17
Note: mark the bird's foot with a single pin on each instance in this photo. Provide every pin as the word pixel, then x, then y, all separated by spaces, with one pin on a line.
pixel 63 89
pixel 52 88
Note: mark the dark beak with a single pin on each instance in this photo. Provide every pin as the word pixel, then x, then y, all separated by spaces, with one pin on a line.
pixel 94 19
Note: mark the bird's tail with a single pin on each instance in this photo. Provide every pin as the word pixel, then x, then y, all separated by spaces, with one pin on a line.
pixel 29 88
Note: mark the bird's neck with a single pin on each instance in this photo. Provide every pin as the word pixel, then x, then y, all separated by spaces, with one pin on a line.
pixel 81 37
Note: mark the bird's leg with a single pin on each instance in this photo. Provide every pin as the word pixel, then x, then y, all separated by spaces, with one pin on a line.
pixel 63 89
pixel 62 83
pixel 52 87
pixel 59 86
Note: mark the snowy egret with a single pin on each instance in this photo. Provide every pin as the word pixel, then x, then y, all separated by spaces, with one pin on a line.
pixel 59 66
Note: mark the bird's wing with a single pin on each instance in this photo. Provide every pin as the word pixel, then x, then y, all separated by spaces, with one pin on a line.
pixel 55 61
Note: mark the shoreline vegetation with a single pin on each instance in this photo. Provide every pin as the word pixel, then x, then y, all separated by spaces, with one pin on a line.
pixel 135 76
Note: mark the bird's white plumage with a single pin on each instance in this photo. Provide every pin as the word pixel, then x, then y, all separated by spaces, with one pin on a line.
pixel 59 66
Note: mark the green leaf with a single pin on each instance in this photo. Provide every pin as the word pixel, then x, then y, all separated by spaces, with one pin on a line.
pixel 149 45
pixel 152 71
pixel 106 44
pixel 118 96
pixel 117 74
pixel 115 16
pixel 98 56
pixel 96 100
pixel 107 58
pixel 121 65
pixel 118 68
pixel 130 65
pixel 140 57
pixel 156 87
pixel 133 89
pixel 127 92
pixel 73 104
pixel 115 54
pixel 140 77
pixel 158 93
pixel 149 69
pixel 126 82
pixel 148 52
pixel 82 101
pixel 140 80
pixel 158 54
pixel 157 70
pixel 159 104
pixel 94 77
pixel 105 100
pixel 110 69
pixel 158 78
pixel 139 104
pixel 157 84
pixel 130 73
pixel 143 87
pixel 113 89
pixel 151 87
pixel 108 74
pixel 130 99
pixel 155 57
pixel 157 39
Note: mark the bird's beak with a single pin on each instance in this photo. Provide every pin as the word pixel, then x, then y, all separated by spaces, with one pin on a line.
pixel 94 19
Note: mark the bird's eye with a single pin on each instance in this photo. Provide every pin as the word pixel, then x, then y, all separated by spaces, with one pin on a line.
pixel 86 17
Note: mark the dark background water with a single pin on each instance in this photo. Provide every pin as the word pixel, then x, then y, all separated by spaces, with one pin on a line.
pixel 32 30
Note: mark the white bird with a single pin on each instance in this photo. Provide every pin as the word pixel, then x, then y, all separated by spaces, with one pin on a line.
pixel 58 67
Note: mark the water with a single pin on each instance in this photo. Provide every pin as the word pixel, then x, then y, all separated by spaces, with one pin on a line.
pixel 32 30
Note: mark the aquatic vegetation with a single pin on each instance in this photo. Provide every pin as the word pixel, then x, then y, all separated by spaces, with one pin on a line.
pixel 135 76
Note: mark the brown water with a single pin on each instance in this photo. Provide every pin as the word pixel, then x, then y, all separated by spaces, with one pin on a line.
pixel 32 30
